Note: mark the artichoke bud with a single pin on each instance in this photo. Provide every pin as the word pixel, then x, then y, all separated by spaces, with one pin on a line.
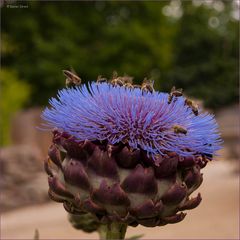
pixel 101 187
pixel 126 154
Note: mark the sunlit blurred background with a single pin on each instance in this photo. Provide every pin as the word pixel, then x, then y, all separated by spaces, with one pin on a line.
pixel 193 45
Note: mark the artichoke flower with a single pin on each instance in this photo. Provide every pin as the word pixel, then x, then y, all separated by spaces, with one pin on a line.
pixel 123 156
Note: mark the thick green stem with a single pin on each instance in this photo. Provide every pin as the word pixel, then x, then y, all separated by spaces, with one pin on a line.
pixel 113 230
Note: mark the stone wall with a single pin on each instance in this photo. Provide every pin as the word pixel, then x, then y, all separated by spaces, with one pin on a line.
pixel 24 130
pixel 23 181
pixel 228 120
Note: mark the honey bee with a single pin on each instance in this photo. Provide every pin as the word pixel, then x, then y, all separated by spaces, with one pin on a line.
pixel 116 81
pixel 71 78
pixel 147 85
pixel 192 105
pixel 179 129
pixel 128 85
pixel 174 93
pixel 114 75
pixel 127 79
pixel 100 79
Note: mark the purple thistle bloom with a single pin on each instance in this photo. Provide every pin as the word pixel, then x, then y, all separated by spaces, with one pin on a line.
pixel 126 155
pixel 144 120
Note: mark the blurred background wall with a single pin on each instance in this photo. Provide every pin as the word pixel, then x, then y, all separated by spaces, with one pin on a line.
pixel 193 45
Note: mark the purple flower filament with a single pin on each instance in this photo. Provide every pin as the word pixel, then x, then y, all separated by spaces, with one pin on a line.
pixel 143 120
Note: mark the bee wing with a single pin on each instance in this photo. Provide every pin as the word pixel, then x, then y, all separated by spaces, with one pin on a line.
pixel 114 74
pixel 127 79
pixel 148 81
pixel 145 80
pixel 180 89
pixel 70 75
pixel 67 73
pixel 173 89
pixel 73 71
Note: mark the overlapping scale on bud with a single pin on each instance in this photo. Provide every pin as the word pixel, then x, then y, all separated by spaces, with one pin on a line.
pixel 116 183
pixel 126 153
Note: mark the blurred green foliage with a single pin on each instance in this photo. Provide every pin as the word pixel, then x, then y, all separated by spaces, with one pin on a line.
pixel 194 46
pixel 206 58
pixel 14 93
pixel 134 38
